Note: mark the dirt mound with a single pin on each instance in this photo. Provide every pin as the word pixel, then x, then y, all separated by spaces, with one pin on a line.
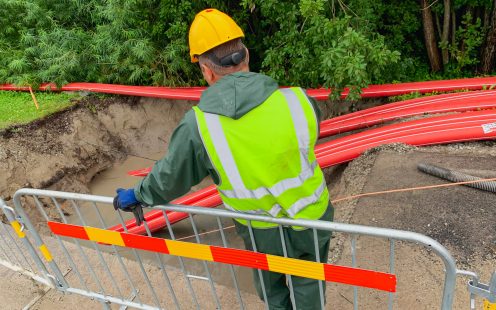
pixel 65 151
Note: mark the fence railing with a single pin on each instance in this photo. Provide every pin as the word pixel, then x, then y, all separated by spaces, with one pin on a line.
pixel 14 254
pixel 60 239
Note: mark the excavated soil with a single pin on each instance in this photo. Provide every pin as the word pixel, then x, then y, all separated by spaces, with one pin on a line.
pixel 67 150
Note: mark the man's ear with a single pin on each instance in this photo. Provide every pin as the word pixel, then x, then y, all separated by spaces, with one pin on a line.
pixel 208 74
pixel 247 55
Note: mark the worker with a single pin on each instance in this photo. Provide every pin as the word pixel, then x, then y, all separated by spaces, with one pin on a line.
pixel 257 143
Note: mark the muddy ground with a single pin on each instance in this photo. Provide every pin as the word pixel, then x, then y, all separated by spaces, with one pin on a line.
pixel 67 150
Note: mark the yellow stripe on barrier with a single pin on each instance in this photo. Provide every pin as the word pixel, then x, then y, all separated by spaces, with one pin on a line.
pixel 191 250
pixel 331 273
pixel 489 305
pixel 104 236
pixel 17 228
pixel 296 267
pixel 44 250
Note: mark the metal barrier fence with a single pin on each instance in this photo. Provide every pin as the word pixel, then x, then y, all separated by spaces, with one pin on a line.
pixel 13 255
pixel 73 252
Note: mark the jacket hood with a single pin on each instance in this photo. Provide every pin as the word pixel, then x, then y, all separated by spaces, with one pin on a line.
pixel 236 94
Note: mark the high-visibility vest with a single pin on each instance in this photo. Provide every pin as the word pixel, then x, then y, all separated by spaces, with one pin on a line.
pixel 265 159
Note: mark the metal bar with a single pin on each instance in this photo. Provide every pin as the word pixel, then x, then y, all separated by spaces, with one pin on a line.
pixel 486 291
pixel 95 247
pixel 10 250
pixel 449 287
pixel 475 281
pixel 4 252
pixel 262 282
pixel 391 271
pixel 81 251
pixel 27 273
pixel 207 270
pixel 231 268
pixel 140 263
pixel 181 261
pixel 317 257
pixel 9 213
pixel 68 256
pixel 197 277
pixel 106 298
pixel 21 252
pixel 288 277
pixel 119 258
pixel 164 272
pixel 354 264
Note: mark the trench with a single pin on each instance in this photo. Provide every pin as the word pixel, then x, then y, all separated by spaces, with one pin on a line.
pixel 107 180
pixel 90 148
pixel 87 150
pixel 105 184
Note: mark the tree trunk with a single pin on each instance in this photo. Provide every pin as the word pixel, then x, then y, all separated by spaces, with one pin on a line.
pixel 438 23
pixel 430 36
pixel 487 16
pixel 446 28
pixel 490 45
pixel 453 27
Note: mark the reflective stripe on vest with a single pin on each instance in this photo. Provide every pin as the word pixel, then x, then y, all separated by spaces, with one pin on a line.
pixel 295 208
pixel 231 171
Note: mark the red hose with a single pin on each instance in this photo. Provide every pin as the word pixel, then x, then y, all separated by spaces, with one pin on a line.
pixel 428 124
pixel 458 102
pixel 448 133
pixel 194 93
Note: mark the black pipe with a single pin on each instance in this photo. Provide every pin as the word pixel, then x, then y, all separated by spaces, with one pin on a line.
pixel 455 176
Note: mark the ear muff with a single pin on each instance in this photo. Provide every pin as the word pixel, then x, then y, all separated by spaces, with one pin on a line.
pixel 230 60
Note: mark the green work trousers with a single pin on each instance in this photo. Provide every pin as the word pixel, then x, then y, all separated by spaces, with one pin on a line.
pixel 299 244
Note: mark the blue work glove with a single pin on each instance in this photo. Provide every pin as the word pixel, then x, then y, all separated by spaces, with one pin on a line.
pixel 127 202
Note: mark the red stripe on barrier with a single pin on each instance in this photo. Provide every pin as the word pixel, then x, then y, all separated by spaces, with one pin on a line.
pixel 339 274
pixel 145 243
pixel 68 230
pixel 240 257
pixel 360 277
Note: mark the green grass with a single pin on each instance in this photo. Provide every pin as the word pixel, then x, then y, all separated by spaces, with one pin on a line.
pixel 17 108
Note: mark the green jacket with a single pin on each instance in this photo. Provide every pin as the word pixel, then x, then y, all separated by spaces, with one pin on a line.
pixel 186 163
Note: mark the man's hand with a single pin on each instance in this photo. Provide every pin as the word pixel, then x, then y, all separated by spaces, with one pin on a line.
pixel 127 202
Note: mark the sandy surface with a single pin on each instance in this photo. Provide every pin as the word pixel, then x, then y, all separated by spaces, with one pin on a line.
pixel 461 218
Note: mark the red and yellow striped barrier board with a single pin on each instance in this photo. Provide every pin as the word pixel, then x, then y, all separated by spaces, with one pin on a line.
pixel 296 267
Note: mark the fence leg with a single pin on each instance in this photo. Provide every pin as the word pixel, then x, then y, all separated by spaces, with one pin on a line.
pixel 11 217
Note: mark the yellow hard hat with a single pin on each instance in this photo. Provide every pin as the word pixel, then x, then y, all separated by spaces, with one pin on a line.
pixel 211 28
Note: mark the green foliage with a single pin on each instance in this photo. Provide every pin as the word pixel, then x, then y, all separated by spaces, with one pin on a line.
pixel 18 108
pixel 412 95
pixel 489 87
pixel 416 94
pixel 310 43
pixel 469 38
pixel 145 42
pixel 115 41
pixel 311 49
